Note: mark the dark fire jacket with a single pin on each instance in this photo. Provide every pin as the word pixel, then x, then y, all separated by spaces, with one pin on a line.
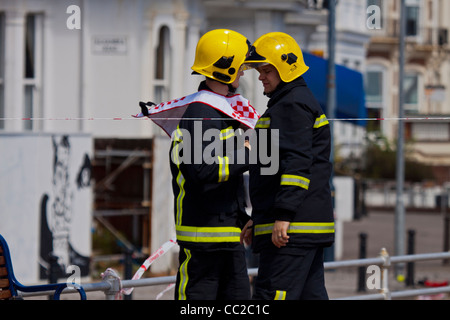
pixel 207 182
pixel 299 191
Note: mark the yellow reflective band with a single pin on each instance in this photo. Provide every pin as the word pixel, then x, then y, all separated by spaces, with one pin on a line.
pixel 293 180
pixel 180 182
pixel 263 123
pixel 177 135
pixel 226 133
pixel 208 234
pixel 175 153
pixel 298 227
pixel 280 295
pixel 224 171
pixel 184 277
pixel 321 121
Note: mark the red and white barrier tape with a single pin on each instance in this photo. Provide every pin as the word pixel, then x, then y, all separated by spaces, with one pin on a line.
pixel 112 274
pixel 144 267
pixel 170 286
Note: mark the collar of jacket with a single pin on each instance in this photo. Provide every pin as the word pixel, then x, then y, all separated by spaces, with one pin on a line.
pixel 283 88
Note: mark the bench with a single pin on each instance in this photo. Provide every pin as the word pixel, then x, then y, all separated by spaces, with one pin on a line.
pixel 10 287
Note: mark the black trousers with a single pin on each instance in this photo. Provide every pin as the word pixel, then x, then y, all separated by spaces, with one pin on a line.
pixel 291 276
pixel 212 275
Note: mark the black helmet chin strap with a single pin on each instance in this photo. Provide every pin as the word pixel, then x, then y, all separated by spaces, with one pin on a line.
pixel 231 89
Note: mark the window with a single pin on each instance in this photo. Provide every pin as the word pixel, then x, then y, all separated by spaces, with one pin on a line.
pixel 412 17
pixel 431 131
pixel 374 86
pixel 162 66
pixel 32 70
pixel 411 92
pixel 30 46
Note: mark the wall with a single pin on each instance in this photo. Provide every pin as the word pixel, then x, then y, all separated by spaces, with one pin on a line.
pixel 45 201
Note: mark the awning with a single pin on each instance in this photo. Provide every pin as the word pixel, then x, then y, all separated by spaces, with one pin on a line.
pixel 350 94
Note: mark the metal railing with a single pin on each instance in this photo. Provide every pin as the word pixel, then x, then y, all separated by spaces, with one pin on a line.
pixel 112 286
pixel 384 261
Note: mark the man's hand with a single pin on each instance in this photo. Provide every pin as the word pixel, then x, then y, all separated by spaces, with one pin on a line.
pixel 279 233
pixel 246 233
pixel 247 145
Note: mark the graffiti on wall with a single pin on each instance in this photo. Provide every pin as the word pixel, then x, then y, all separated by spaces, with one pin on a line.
pixel 57 212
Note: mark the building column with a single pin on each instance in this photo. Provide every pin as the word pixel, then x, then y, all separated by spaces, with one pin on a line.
pixel 179 47
pixel 14 68
pixel 193 35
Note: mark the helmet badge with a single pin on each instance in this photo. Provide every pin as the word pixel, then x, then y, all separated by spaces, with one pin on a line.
pixel 290 58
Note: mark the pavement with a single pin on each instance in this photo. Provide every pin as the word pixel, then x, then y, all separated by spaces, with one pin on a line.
pixel 379 227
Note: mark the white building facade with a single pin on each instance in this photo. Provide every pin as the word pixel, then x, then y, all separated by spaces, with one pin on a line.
pixel 91 59
pixel 426 82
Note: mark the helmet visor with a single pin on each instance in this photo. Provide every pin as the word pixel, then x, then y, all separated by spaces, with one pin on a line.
pixel 254 60
pixel 253 65
pixel 254 56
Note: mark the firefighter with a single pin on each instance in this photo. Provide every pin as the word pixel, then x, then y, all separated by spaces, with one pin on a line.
pixel 209 199
pixel 292 210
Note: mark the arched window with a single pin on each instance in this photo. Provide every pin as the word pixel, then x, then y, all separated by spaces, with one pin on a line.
pixel 162 65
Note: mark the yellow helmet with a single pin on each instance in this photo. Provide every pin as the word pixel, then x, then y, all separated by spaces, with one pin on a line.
pixel 280 50
pixel 220 54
